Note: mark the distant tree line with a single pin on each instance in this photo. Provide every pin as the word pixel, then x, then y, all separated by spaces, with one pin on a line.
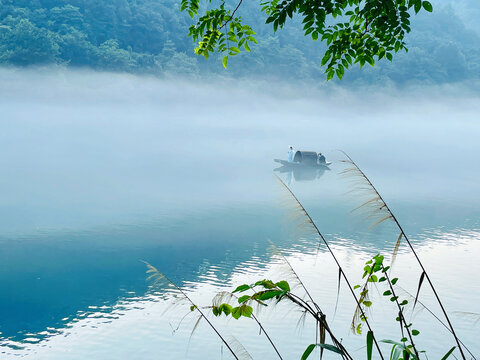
pixel 150 36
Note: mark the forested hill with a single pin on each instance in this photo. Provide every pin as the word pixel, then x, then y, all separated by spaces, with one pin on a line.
pixel 150 36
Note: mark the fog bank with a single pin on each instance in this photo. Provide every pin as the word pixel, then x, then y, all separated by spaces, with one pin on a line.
pixel 82 148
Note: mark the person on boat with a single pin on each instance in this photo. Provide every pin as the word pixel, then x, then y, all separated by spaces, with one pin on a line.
pixel 321 159
pixel 290 154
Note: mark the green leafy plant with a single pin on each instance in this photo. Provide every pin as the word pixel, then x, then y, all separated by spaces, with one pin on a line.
pixel 355 31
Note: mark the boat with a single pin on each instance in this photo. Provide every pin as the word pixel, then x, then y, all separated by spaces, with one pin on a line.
pixel 303 159
pixel 304 167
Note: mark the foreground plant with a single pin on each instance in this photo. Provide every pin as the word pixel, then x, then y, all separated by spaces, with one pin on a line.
pixel 266 292
pixel 377 209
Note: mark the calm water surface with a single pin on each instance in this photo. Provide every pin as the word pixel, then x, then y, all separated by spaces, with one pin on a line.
pixel 101 171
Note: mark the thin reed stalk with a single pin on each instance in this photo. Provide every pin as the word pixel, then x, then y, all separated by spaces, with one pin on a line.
pixel 438 319
pixel 316 312
pixel 310 220
pixel 320 319
pixel 158 275
pixel 267 336
pixel 390 215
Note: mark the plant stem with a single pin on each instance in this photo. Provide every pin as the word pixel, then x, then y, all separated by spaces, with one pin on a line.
pixel 268 337
pixel 400 313
pixel 336 261
pixel 414 253
pixel 320 318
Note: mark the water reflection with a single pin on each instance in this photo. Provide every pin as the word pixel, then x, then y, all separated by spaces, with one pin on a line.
pixel 160 326
pixel 302 173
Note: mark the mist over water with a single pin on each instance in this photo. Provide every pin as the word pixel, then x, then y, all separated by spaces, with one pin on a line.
pixel 103 145
pixel 100 170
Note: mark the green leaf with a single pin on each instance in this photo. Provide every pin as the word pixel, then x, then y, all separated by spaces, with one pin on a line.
pixel 224 61
pixel 394 343
pixel 331 348
pixel 246 310
pixel 268 284
pixel 417 6
pixel 396 352
pixel 269 294
pixel 241 288
pixel 379 259
pixel 369 345
pixel 367 303
pixel 283 285
pixel 448 353
pixel 394 281
pixel 310 348
pixel 308 351
pixel 226 308
pixel 236 312
pixel 243 298
pixel 325 58
pixel 339 73
pixel 427 6
pixel 415 332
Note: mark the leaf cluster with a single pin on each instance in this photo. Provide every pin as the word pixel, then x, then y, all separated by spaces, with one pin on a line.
pixel 268 290
pixel 355 31
pixel 218 30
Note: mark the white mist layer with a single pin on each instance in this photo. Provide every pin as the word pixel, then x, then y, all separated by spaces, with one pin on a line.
pixel 81 148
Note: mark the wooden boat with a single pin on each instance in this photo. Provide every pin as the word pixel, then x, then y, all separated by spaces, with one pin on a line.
pixel 303 159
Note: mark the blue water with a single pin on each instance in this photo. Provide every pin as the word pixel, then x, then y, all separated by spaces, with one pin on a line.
pixel 102 171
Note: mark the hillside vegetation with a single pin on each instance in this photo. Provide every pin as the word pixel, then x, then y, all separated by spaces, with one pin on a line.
pixel 150 36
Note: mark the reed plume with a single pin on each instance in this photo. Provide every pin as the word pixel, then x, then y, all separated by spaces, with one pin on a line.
pixel 378 210
pixel 309 222
pixel 159 278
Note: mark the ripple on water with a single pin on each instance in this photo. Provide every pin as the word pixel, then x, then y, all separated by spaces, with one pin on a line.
pixel 160 325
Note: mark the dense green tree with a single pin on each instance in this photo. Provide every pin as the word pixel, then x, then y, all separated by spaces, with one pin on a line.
pixel 22 43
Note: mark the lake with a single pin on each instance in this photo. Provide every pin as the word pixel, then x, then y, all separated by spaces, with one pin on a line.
pixel 102 171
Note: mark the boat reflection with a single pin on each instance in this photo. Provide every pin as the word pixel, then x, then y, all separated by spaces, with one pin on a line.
pixel 302 173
